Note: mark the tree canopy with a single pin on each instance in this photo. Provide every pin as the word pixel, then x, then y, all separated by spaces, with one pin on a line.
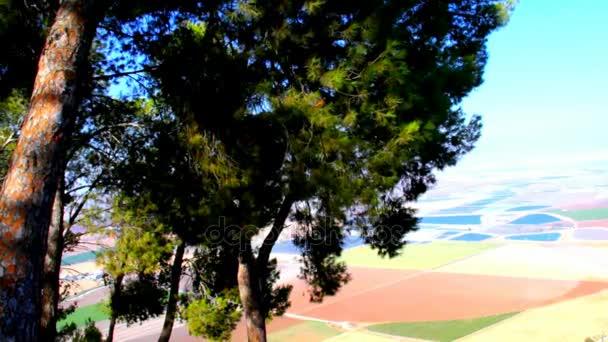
pixel 323 113
pixel 215 125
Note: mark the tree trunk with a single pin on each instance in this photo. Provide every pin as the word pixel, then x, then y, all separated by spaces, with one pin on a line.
pixel 115 298
pixel 274 233
pixel 249 292
pixel 176 275
pixel 28 191
pixel 261 262
pixel 52 267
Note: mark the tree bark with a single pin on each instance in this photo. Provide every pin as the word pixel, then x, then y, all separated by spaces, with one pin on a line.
pixel 52 267
pixel 176 275
pixel 263 257
pixel 116 291
pixel 275 232
pixel 29 188
pixel 249 292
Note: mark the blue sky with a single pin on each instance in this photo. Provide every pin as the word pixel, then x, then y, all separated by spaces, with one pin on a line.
pixel 545 96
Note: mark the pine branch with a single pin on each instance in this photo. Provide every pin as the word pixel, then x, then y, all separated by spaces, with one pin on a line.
pixel 124 73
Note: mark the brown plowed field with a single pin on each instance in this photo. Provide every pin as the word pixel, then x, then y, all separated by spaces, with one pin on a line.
pixel 374 296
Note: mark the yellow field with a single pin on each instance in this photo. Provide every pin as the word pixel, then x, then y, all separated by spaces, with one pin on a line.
pixel 82 267
pixel 363 336
pixel 81 285
pixel 572 320
pixel 565 262
pixel 416 256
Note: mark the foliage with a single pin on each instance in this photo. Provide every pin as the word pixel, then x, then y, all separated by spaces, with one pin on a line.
pixel 141 245
pixel 243 111
pixel 275 299
pixel 135 251
pixel 23 26
pixel 214 269
pixel 364 98
pixel 213 318
pixel 66 332
pixel 65 311
pixel 12 110
pixel 141 251
pixel 338 110
pixel 320 245
pixel 141 299
pixel 90 333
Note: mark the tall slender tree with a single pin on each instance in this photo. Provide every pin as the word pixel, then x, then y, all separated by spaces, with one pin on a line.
pixel 141 250
pixel 55 84
pixel 157 176
pixel 29 188
pixel 52 267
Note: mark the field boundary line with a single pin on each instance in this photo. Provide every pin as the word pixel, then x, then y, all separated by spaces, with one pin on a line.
pixel 398 280
pixel 349 330
pixel 309 318
pixel 83 293
pixel 365 331
pixel 346 333
pixel 397 337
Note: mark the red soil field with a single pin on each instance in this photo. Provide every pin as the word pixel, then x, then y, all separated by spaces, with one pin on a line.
pixel 300 302
pixel 429 296
pixel 363 279
pixel 381 295
pixel 592 223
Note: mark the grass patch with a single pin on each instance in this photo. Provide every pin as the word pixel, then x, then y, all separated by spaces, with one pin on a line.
pixel 418 256
pixel 584 214
pixel 96 312
pixel 442 331
pixel 307 331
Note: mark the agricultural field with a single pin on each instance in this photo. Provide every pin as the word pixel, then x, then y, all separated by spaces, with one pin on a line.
pixel 501 263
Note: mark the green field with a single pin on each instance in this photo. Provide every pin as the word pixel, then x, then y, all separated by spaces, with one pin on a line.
pixel 584 214
pixel 439 330
pixel 96 312
pixel 417 256
pixel 81 257
pixel 311 331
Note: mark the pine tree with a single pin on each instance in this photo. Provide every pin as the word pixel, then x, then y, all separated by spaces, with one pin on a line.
pixel 31 182
pixel 330 112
